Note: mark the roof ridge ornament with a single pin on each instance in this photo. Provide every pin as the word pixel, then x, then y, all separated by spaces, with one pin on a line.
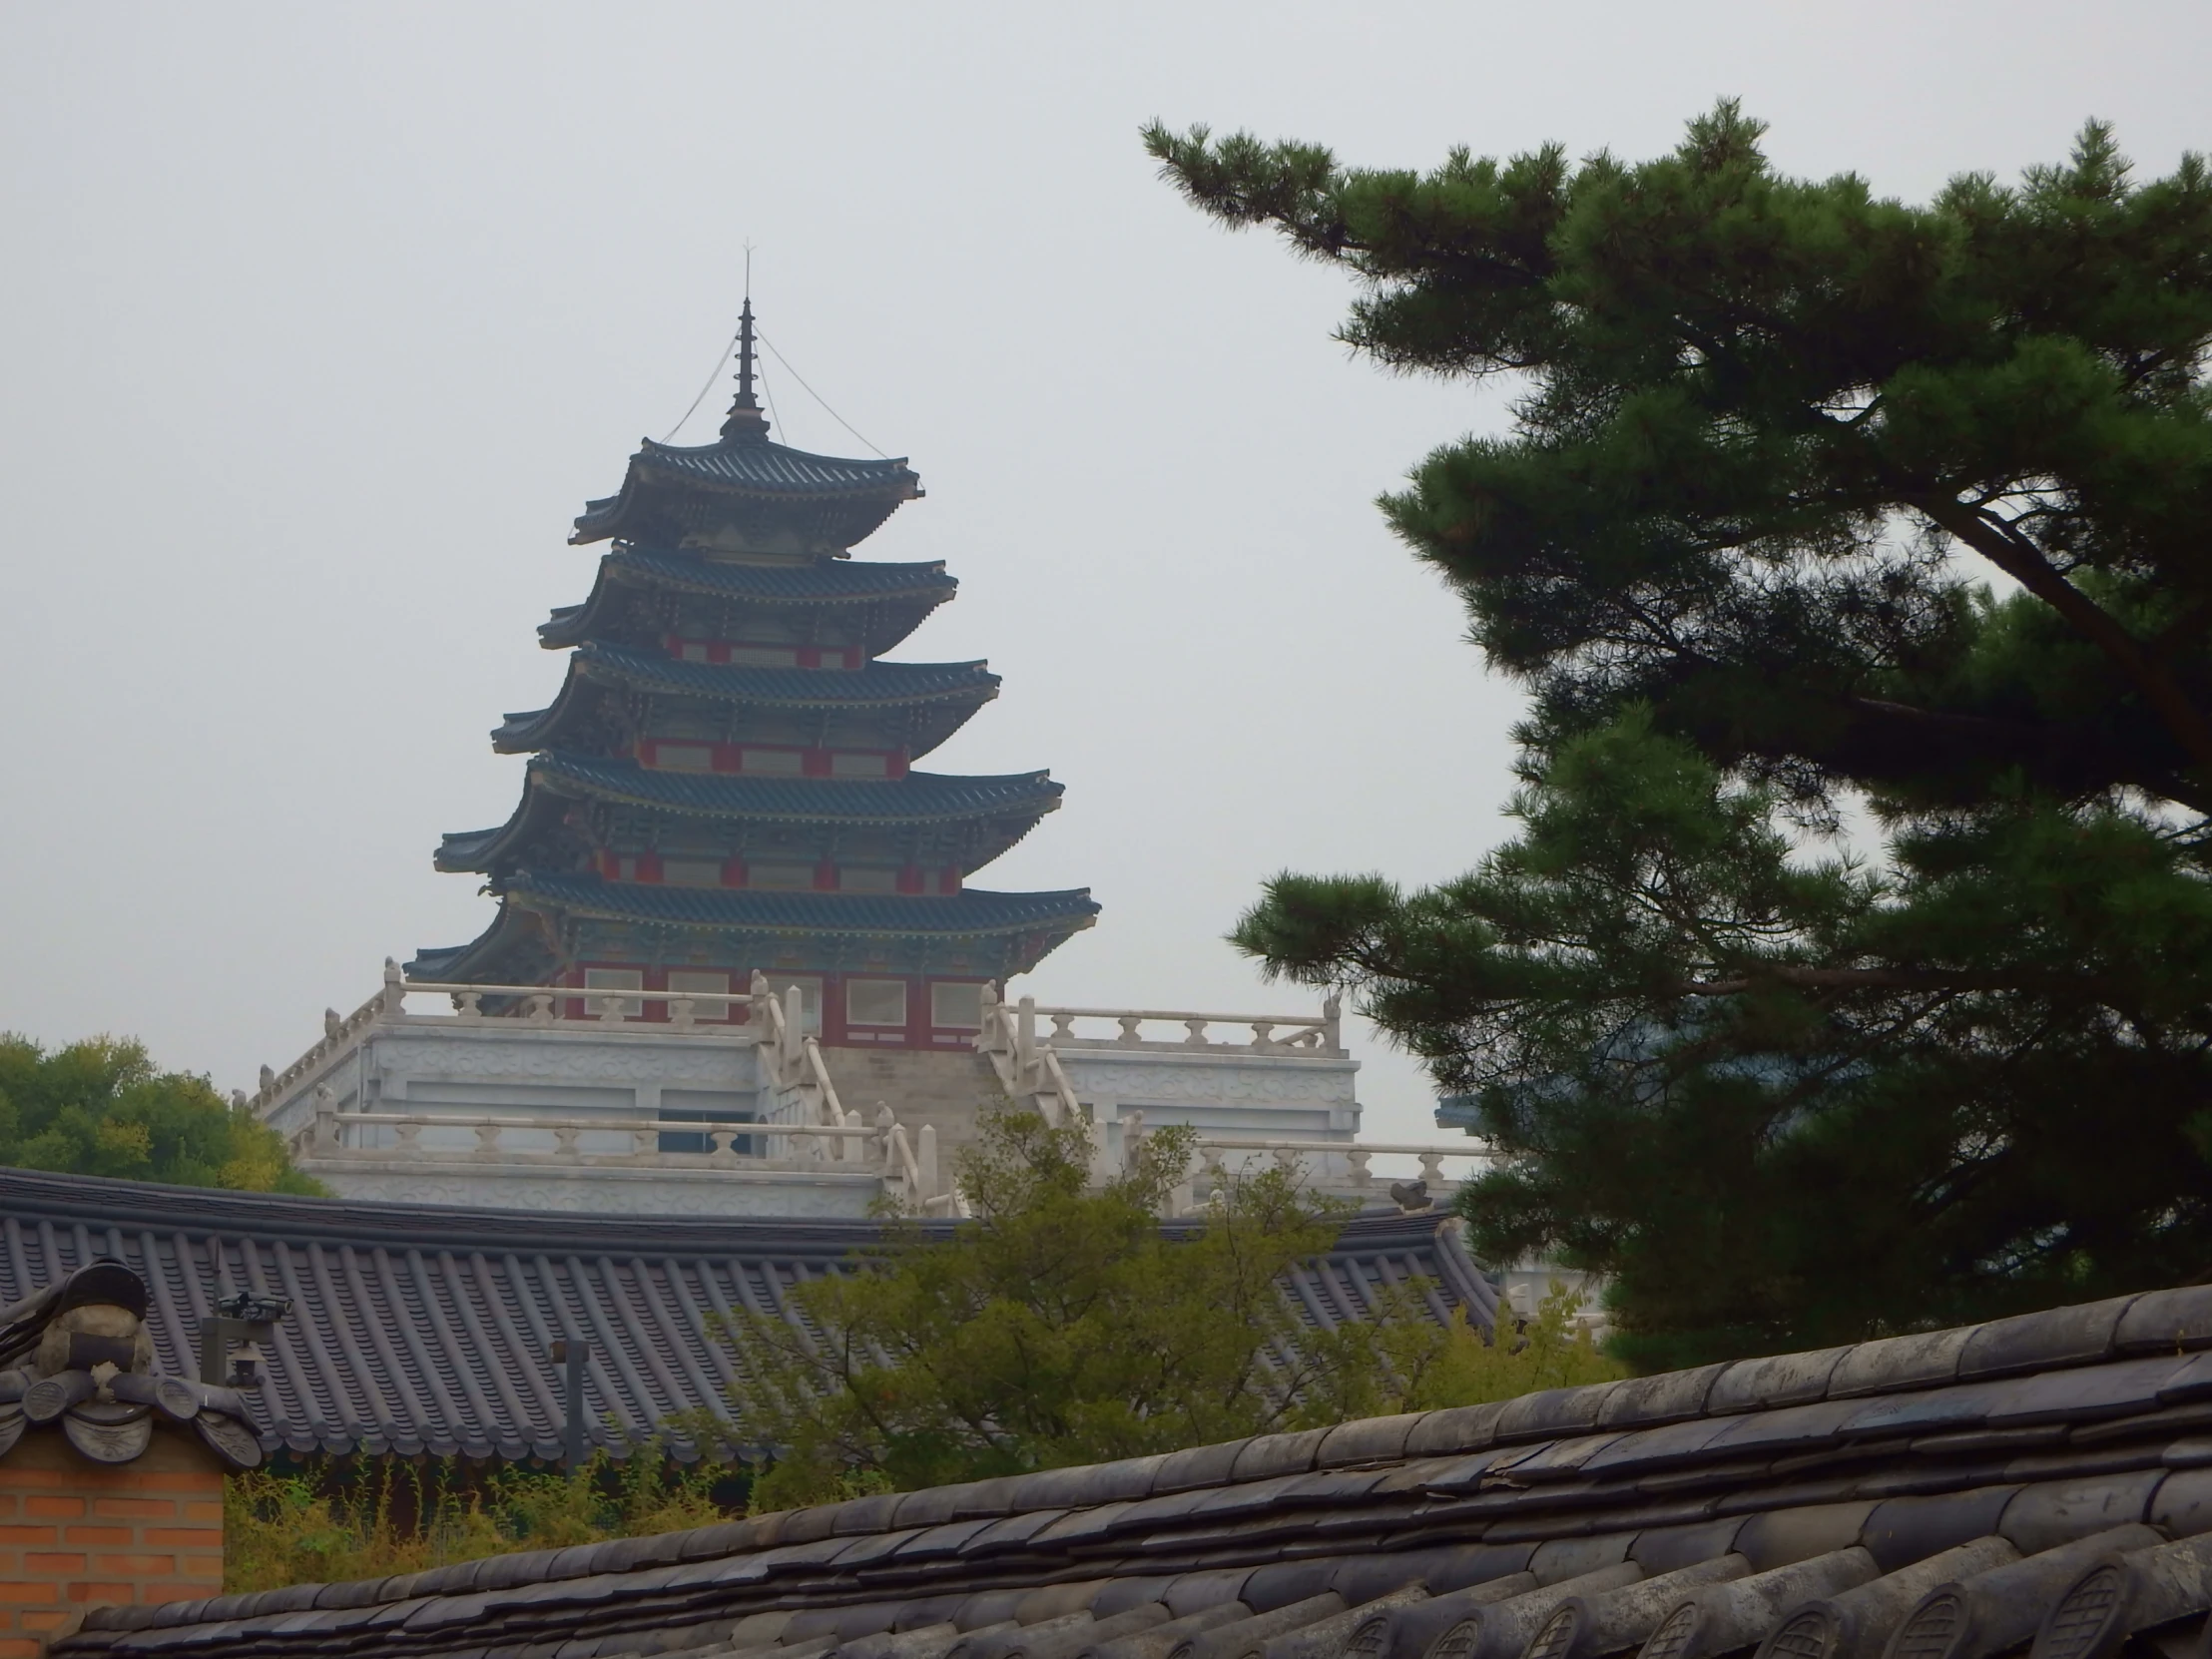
pixel 747 425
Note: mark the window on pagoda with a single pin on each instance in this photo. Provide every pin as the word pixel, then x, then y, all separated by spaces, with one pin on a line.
pixel 876 1002
pixel 776 762
pixel 696 982
pixel 691 873
pixel 614 979
pixel 860 766
pixel 956 1008
pixel 867 880
pixel 684 756
pixel 785 877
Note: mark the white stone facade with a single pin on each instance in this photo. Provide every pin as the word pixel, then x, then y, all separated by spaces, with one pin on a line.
pixel 419 1097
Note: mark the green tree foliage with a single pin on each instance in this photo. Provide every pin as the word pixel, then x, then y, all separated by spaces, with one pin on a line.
pixel 1060 1327
pixel 1815 508
pixel 331 1519
pixel 99 1107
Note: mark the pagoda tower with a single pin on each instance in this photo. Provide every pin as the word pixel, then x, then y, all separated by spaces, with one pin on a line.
pixel 725 781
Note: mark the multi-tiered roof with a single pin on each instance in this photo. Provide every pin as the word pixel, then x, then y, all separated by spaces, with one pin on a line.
pixel 724 783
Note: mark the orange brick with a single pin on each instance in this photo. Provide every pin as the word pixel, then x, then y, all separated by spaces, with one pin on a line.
pixel 84 1591
pixel 19 1647
pixel 24 1594
pixel 136 1508
pixel 192 1537
pixel 21 1475
pixel 97 1534
pixel 17 1532
pixel 7 1503
pixel 51 1505
pixel 177 1480
pixel 52 1561
pixel 136 1566
pixel 46 1618
pixel 204 1511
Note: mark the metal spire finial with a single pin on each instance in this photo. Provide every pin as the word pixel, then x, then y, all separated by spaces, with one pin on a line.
pixel 745 419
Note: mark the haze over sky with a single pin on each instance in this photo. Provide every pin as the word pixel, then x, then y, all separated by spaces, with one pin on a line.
pixel 321 321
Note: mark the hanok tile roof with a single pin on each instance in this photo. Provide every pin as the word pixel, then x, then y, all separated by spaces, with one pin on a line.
pixel 775 468
pixel 754 469
pixel 918 798
pixel 880 685
pixel 1957 1495
pixel 837 582
pixel 971 913
pixel 424 1328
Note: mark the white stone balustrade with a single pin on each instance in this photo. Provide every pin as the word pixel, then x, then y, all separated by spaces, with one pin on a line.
pixel 1250 1033
pixel 907 1166
pixel 535 1006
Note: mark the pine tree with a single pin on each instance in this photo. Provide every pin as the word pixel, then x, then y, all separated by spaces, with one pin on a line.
pixel 1818 512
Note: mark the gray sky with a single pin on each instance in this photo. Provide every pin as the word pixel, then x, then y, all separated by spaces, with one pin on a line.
pixel 321 321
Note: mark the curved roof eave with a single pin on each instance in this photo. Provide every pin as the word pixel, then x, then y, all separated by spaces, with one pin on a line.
pixel 973 912
pixel 452 964
pixel 831 582
pixel 751 470
pixel 883 686
pixel 918 798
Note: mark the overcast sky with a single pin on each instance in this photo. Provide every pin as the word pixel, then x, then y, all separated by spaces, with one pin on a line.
pixel 321 321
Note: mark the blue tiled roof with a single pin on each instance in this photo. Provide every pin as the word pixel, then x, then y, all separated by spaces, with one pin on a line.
pixel 823 582
pixel 823 579
pixel 795 688
pixel 970 912
pixel 752 464
pixel 880 685
pixel 757 468
pixel 918 798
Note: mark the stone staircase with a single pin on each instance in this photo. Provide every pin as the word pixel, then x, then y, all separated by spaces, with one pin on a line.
pixel 944 1091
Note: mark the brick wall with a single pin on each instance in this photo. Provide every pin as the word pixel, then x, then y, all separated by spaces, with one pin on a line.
pixel 74 1534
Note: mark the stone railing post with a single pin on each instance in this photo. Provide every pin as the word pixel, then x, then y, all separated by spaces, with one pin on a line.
pixel 395 989
pixel 1332 1021
pixel 1025 1040
pixel 926 1160
pixel 325 1134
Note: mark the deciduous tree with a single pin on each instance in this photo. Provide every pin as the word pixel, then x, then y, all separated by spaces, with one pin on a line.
pixel 1062 1326
pixel 101 1107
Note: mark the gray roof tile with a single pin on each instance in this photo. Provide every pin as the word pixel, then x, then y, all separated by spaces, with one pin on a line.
pixel 2076 1336
pixel 1900 1473
pixel 1919 1361
pixel 1366 1440
pixel 1456 1428
pixel 1553 1411
pixel 1773 1380
pixel 1273 1454
pixel 2162 1322
pixel 1669 1397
